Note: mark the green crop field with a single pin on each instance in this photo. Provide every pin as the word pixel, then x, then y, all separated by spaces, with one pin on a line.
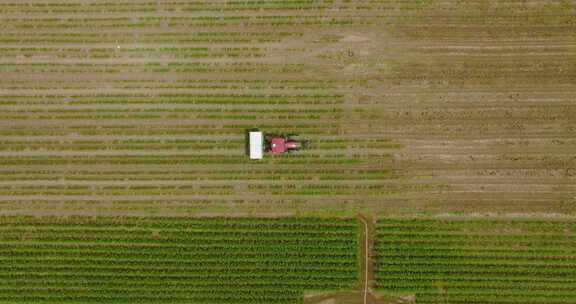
pixel 171 260
pixel 124 175
pixel 478 261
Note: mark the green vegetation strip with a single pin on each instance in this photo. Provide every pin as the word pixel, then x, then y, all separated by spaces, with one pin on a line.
pixel 478 261
pixel 174 260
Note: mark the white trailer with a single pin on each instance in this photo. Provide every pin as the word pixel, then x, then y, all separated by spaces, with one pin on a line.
pixel 256 144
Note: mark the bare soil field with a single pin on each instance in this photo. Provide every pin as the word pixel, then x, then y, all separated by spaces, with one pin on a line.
pixel 413 107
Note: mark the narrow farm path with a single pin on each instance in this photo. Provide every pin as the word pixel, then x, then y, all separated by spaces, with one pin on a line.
pixel 366 257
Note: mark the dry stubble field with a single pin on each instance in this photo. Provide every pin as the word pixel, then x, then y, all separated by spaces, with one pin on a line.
pixel 414 108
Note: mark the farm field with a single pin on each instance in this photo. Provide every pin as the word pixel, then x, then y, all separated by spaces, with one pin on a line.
pixel 139 107
pixel 477 261
pixel 284 260
pixel 442 166
pixel 175 260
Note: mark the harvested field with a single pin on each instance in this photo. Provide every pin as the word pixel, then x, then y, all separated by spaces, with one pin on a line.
pixel 139 107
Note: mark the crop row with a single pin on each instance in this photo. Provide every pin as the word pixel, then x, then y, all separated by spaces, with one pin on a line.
pixel 334 255
pixel 104 111
pixel 124 23
pixel 133 117
pixel 169 129
pixel 224 189
pixel 147 7
pixel 210 37
pixel 179 67
pixel 177 222
pixel 212 6
pixel 135 176
pixel 169 159
pixel 204 84
pixel 188 99
pixel 132 53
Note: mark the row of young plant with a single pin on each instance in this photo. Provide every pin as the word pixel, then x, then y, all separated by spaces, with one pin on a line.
pixel 126 23
pixel 203 129
pixel 211 6
pixel 320 174
pixel 53 111
pixel 290 188
pixel 152 7
pixel 150 205
pixel 477 261
pixel 172 159
pixel 275 260
pixel 131 52
pixel 233 129
pixel 173 115
pixel 159 68
pixel 205 37
pixel 168 98
pixel 179 223
pixel 314 85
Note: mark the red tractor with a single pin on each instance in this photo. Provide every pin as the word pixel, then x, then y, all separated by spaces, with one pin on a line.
pixel 274 144
pixel 278 144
